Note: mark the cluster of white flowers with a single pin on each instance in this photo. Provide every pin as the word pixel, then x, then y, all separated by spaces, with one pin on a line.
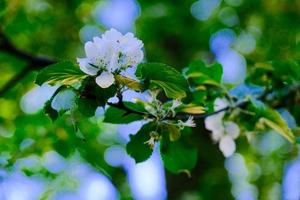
pixel 109 54
pixel 224 132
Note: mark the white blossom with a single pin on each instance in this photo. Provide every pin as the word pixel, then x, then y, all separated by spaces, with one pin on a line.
pixel 223 132
pixel 189 122
pixel 214 122
pixel 109 54
pixel 227 145
pixel 220 104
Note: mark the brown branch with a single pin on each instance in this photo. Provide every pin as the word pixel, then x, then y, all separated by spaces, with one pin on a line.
pixel 33 62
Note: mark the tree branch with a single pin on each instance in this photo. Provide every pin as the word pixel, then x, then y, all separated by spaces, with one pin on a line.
pixel 36 62
pixel 33 62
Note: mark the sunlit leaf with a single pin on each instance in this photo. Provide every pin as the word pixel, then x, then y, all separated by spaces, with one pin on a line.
pixel 202 74
pixel 164 77
pixel 191 109
pixel 130 83
pixel 65 73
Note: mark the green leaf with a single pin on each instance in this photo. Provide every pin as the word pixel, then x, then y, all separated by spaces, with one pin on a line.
pixel 173 131
pixel 165 77
pixel 203 74
pixel 137 148
pixel 177 156
pixel 65 73
pixel 117 116
pixel 138 106
pixel 90 90
pixel 52 113
pixel 271 118
pixel 288 70
pixel 87 106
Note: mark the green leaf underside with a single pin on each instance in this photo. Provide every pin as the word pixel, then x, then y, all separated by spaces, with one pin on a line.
pixel 177 156
pixel 130 83
pixel 117 116
pixel 164 77
pixel 136 147
pixel 65 73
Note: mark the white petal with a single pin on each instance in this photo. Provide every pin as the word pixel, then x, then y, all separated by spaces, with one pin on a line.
pixel 105 79
pixel 91 50
pixel 232 129
pixel 214 122
pixel 113 63
pixel 217 134
pixel 97 40
pixel 220 104
pixel 113 35
pixel 227 146
pixel 86 67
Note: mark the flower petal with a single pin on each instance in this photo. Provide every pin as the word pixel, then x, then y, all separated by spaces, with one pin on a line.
pixel 232 129
pixel 217 134
pixel 105 79
pixel 227 146
pixel 91 50
pixel 220 104
pixel 86 67
pixel 214 122
pixel 112 35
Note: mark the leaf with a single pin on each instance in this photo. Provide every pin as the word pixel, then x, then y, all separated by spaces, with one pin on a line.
pixel 243 90
pixel 272 118
pixel 191 109
pixel 52 113
pixel 90 90
pixel 138 106
pixel 174 132
pixel 281 129
pixel 130 83
pixel 288 70
pixel 87 106
pixel 165 77
pixel 178 156
pixel 65 73
pixel 117 116
pixel 136 147
pixel 202 74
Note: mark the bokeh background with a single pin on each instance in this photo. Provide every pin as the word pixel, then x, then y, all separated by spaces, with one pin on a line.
pixel 44 160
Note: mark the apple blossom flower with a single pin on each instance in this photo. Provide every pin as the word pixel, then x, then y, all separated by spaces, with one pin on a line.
pixel 110 54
